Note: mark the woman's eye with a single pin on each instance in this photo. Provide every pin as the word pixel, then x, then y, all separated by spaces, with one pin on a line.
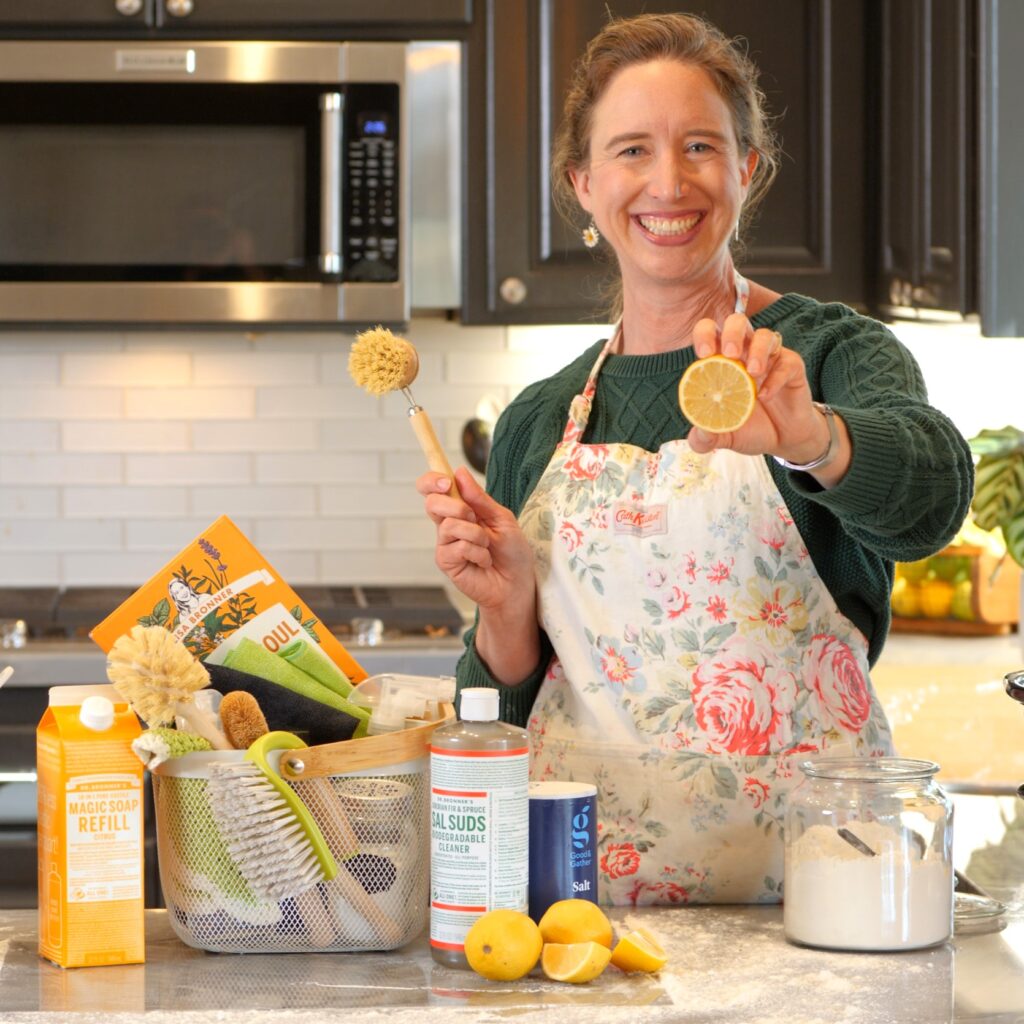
pixel 698 148
pixel 631 151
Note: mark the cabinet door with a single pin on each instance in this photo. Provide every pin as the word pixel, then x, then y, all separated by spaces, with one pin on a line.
pixel 927 223
pixel 313 15
pixel 526 266
pixel 56 16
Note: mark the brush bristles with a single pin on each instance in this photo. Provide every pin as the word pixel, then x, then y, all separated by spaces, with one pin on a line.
pixel 267 842
pixel 379 362
pixel 242 719
pixel 152 671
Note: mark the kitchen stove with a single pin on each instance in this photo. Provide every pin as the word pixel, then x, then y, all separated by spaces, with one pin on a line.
pixel 406 612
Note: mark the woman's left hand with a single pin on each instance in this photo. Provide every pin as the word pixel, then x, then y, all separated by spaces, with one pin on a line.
pixel 785 421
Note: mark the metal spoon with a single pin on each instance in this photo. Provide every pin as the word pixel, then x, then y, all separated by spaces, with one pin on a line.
pixel 6 674
pixel 476 443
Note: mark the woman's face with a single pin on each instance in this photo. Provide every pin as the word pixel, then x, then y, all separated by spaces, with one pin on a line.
pixel 665 181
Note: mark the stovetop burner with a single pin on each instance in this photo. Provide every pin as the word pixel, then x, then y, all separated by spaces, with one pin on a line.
pixel 70 612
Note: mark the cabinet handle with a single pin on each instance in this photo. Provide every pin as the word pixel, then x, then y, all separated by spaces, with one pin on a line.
pixel 179 8
pixel 128 7
pixel 513 290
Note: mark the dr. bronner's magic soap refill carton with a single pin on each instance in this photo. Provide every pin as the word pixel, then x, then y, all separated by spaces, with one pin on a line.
pixel 91 897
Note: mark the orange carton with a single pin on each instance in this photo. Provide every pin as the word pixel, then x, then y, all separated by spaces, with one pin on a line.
pixel 218 591
pixel 90 827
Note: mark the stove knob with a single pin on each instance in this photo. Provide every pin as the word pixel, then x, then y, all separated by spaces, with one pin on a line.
pixel 128 7
pixel 179 8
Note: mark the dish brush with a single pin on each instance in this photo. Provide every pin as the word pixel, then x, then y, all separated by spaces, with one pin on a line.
pixel 269 832
pixel 159 678
pixel 380 362
pixel 242 719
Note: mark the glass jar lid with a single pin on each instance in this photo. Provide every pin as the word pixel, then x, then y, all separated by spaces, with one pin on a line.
pixel 868 769
pixel 975 915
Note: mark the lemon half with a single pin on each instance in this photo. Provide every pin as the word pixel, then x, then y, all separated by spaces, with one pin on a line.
pixel 717 394
pixel 574 962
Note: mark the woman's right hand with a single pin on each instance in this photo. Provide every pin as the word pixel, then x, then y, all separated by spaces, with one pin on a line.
pixel 482 550
pixel 480 546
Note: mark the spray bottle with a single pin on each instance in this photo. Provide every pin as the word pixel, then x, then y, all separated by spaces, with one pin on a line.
pixel 479 822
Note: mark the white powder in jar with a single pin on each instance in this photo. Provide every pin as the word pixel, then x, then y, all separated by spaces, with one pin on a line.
pixel 838 897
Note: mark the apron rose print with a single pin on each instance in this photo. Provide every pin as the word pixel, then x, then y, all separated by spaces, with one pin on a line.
pixel 688 688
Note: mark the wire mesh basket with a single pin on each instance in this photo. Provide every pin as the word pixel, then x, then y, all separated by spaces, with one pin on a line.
pixel 377 791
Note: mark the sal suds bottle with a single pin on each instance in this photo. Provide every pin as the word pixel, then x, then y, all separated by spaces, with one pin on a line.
pixel 479 822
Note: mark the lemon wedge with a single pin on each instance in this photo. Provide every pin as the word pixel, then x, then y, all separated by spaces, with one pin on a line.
pixel 639 951
pixel 575 962
pixel 717 394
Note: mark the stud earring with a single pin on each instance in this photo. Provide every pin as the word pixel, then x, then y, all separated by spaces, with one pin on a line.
pixel 590 235
pixel 736 231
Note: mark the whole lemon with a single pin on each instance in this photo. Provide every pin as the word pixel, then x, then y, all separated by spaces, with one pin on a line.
pixel 503 945
pixel 569 921
pixel 906 599
pixel 936 599
pixel 963 601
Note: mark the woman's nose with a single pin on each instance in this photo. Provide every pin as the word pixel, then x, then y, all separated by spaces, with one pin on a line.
pixel 669 179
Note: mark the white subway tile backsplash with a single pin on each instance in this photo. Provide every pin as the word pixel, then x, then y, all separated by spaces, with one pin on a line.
pixel 117 368
pixel 27 436
pixel 187 469
pixel 112 568
pixel 29 502
pixel 166 537
pixel 336 467
pixel 383 499
pixel 316 534
pixel 297 501
pixel 125 502
pixel 323 402
pixel 60 535
pixel 124 436
pixel 118 448
pixel 189 403
pixel 46 402
pixel 255 436
pixel 29 369
pixel 219 369
pixel 30 569
pixel 55 468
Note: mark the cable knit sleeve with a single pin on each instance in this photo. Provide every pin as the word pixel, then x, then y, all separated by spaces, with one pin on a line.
pixel 911 477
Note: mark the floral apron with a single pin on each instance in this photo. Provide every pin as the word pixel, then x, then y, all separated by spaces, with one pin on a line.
pixel 699 657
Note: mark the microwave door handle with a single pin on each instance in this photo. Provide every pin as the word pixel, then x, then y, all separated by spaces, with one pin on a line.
pixel 330 182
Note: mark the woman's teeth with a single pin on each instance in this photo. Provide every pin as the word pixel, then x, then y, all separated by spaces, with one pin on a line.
pixel 669 226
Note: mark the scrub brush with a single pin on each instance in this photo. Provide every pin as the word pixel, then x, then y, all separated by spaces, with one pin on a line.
pixel 242 719
pixel 379 362
pixel 158 677
pixel 273 840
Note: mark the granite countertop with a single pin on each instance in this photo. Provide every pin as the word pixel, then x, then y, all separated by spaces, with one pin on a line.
pixel 727 963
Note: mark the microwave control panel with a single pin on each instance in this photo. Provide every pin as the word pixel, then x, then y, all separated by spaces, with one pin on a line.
pixel 370 232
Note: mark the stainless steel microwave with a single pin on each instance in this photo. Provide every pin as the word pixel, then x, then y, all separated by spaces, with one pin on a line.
pixel 205 183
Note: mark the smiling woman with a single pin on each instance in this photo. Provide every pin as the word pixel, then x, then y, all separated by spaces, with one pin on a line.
pixel 678 615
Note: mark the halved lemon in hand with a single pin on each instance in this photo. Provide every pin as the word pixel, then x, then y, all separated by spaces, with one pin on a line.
pixel 639 951
pixel 717 394
pixel 575 962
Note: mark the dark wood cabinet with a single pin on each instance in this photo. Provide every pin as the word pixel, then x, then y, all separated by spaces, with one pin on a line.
pixel 525 265
pixel 927 210
pixel 50 16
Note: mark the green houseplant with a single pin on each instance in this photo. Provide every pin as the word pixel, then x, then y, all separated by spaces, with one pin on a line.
pixel 998 501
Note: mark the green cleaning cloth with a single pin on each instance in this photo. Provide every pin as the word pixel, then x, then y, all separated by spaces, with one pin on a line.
pixel 319 666
pixel 154 746
pixel 249 656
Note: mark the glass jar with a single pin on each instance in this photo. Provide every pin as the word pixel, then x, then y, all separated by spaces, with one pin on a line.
pixel 869 855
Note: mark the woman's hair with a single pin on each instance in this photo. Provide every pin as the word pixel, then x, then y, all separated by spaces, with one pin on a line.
pixel 689 40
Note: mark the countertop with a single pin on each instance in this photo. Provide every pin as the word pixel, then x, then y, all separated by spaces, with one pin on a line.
pixel 727 963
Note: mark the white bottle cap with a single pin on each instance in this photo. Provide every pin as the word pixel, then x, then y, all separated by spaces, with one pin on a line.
pixel 97 713
pixel 478 704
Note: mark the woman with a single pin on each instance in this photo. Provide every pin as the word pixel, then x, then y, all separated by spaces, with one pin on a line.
pixel 708 605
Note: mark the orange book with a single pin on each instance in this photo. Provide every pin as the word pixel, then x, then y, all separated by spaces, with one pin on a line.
pixel 217 591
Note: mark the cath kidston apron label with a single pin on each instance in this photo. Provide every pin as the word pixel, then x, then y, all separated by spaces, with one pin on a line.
pixel 478 838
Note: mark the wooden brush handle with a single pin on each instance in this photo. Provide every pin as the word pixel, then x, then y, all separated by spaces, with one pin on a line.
pixel 436 458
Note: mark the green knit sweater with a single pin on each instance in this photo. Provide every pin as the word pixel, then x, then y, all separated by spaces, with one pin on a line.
pixel 904 497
